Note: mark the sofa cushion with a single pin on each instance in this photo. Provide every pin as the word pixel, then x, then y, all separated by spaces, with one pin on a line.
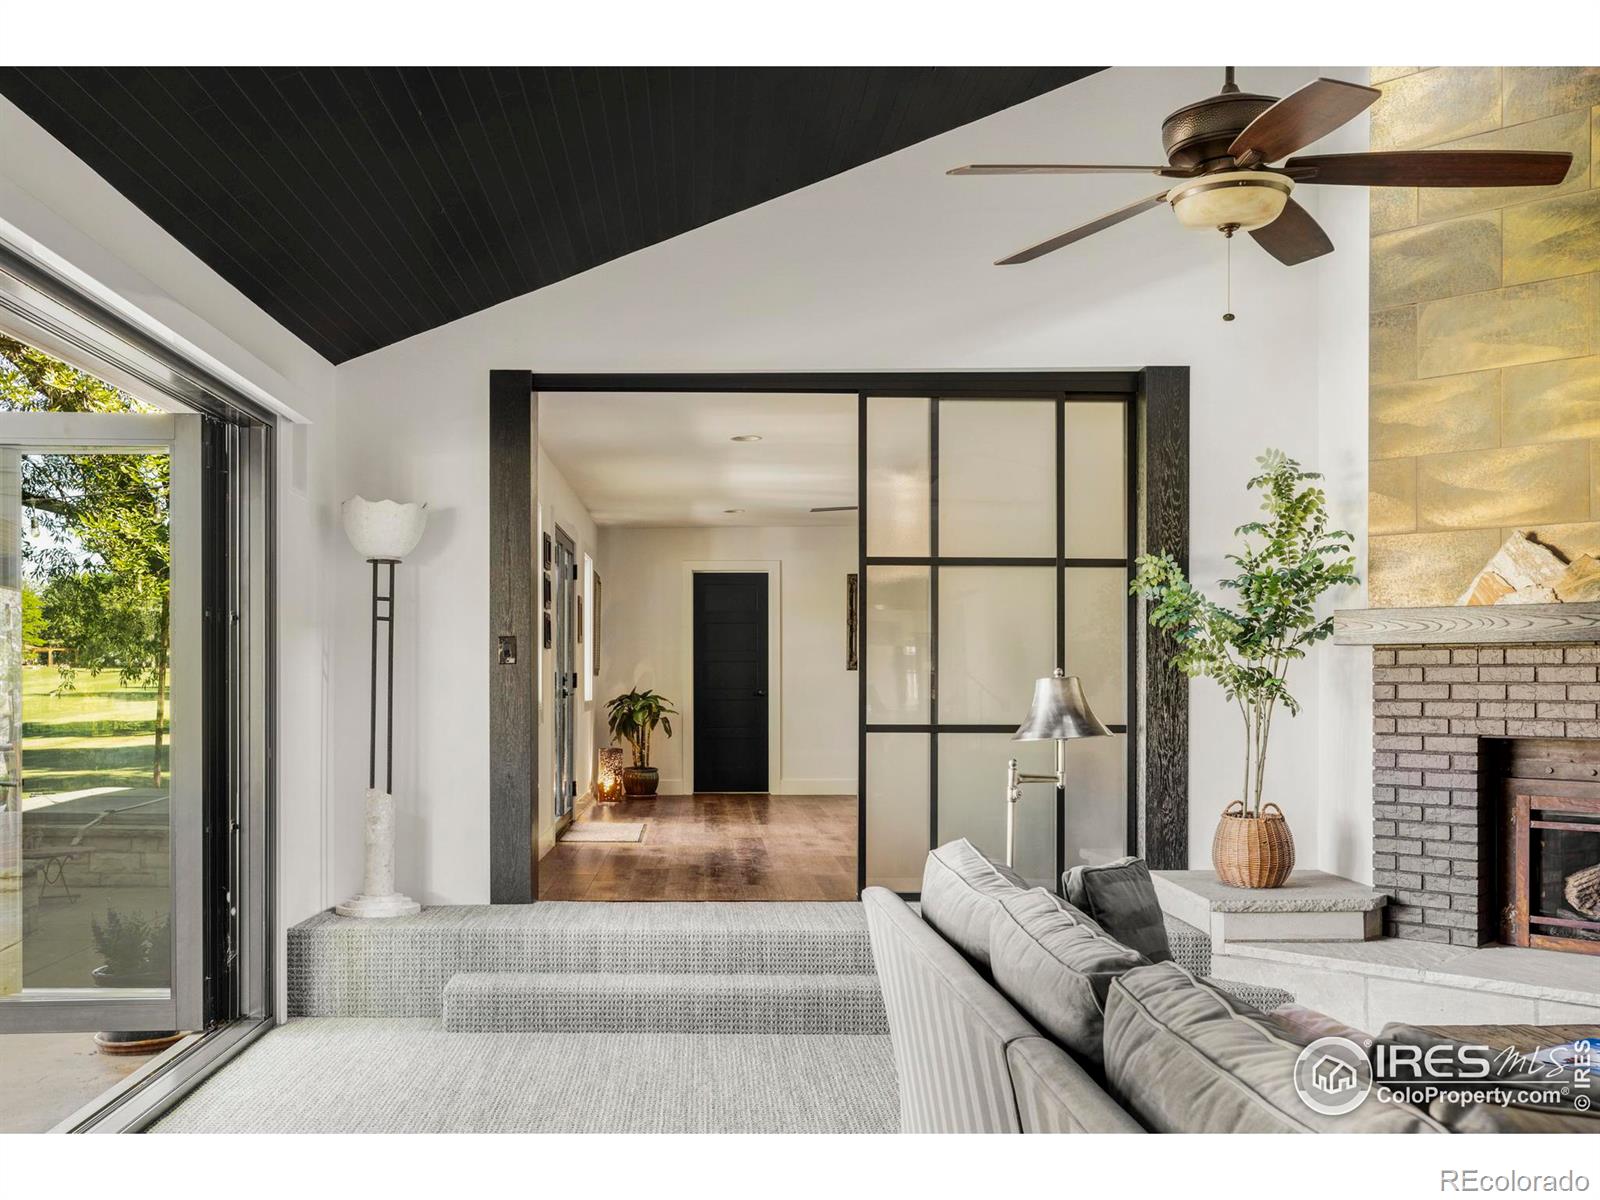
pixel 1185 1058
pixel 1121 896
pixel 961 894
pixel 1056 965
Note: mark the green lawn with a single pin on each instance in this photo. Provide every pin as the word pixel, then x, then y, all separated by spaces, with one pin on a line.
pixel 100 734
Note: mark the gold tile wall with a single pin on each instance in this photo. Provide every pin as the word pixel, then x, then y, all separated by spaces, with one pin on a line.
pixel 1485 341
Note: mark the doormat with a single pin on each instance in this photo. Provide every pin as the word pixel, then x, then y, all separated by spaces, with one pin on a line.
pixel 605 831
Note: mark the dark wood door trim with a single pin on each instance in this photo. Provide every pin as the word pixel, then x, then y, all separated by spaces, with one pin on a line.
pixel 1161 745
pixel 513 687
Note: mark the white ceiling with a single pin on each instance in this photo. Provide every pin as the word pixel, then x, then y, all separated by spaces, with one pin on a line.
pixel 668 459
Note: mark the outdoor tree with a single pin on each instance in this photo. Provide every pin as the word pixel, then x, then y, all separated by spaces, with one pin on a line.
pixel 100 543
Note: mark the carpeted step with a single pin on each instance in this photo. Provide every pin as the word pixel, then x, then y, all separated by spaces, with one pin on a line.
pixel 522 1002
pixel 398 966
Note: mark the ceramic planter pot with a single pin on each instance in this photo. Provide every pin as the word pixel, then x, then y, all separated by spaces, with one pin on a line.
pixel 640 781
pixel 1253 851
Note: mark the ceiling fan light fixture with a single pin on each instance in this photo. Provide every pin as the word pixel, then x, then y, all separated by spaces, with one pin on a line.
pixel 1241 199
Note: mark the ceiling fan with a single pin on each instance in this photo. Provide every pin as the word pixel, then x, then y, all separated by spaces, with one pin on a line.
pixel 1219 149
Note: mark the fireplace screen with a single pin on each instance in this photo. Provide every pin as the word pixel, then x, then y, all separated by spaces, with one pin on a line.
pixel 1554 892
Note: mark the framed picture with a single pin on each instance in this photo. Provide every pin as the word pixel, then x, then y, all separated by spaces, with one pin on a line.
pixel 596 617
pixel 549 639
pixel 548 552
pixel 580 618
pixel 549 591
pixel 851 592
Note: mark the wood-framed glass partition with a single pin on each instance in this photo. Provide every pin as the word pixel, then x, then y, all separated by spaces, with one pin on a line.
pixel 996 539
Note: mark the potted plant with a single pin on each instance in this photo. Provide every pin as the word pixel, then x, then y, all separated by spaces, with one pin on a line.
pixel 633 717
pixel 1248 649
pixel 138 954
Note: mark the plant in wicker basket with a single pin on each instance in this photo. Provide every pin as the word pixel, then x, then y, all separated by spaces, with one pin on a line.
pixel 1289 559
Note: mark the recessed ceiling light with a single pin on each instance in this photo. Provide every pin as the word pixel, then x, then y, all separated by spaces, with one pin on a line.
pixel 733 511
pixel 747 437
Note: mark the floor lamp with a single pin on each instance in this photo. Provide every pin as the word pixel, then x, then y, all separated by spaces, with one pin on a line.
pixel 383 532
pixel 1059 714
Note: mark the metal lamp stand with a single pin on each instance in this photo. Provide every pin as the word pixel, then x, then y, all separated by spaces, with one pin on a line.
pixel 378 897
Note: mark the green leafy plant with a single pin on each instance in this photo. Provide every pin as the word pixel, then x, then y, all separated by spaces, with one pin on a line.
pixel 633 717
pixel 1248 648
pixel 132 944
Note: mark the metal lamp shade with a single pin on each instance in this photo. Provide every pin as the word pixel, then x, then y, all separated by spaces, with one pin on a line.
pixel 1059 712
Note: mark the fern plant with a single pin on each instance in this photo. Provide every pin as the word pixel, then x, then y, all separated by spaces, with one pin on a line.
pixel 1290 558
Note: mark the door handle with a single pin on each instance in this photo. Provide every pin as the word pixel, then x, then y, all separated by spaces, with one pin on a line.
pixel 761 691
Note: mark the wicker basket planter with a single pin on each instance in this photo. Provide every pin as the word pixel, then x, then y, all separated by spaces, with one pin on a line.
pixel 1251 851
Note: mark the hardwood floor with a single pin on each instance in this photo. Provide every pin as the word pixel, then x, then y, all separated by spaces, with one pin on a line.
pixel 713 847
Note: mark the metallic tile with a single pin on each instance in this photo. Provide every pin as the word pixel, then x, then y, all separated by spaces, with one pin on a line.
pixel 1419 569
pixel 1392 345
pixel 1392 496
pixel 1521 485
pixel 1435 416
pixel 1427 262
pixel 1529 323
pixel 1547 238
pixel 1551 401
pixel 1567 131
pixel 1391 208
pixel 1437 105
pixel 1532 92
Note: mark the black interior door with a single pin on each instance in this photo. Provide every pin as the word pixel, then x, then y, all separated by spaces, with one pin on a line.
pixel 730 682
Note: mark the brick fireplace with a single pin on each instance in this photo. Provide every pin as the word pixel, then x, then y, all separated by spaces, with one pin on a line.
pixel 1457 733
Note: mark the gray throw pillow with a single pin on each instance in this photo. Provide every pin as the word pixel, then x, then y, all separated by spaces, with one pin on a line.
pixel 1056 965
pixel 1185 1057
pixel 1121 896
pixel 961 894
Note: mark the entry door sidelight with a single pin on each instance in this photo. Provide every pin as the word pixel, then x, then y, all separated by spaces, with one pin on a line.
pixel 102 715
pixel 994 548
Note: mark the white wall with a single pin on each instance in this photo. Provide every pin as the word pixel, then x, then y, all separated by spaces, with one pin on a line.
pixel 560 505
pixel 51 201
pixel 645 643
pixel 887 267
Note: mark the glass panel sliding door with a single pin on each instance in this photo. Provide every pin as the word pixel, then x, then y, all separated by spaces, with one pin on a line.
pixel 994 548
pixel 100 722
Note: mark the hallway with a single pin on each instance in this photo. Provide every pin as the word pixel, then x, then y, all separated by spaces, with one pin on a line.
pixel 713 847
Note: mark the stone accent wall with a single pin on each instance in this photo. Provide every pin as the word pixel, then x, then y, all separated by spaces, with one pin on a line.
pixel 1431 704
pixel 1485 335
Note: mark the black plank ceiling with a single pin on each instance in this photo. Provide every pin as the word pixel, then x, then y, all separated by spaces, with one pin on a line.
pixel 361 206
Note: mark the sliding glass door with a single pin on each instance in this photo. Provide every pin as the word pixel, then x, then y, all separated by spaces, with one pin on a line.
pixel 994 548
pixel 101 715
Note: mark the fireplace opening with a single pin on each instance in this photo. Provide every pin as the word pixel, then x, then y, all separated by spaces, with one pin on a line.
pixel 1548 881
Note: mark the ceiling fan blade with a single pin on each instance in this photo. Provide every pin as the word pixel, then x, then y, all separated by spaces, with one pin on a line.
pixel 1294 237
pixel 1435 168
pixel 1083 231
pixel 1066 169
pixel 1299 119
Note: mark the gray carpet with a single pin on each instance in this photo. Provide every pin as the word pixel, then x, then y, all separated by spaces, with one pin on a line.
pixel 399 966
pixel 357 1075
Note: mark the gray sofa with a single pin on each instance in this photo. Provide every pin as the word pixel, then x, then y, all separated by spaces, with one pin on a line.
pixel 1080 1034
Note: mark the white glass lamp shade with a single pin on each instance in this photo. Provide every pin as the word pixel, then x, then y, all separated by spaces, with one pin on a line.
pixel 1242 199
pixel 383 529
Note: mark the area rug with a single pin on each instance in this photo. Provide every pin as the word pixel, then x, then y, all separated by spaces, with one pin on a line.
pixel 605 831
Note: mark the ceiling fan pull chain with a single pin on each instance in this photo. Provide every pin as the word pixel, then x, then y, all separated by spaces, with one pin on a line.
pixel 1228 314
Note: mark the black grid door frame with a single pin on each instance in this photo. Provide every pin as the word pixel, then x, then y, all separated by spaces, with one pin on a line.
pixel 935 563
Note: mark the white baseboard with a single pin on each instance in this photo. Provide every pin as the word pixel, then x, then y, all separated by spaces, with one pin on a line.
pixel 817 787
